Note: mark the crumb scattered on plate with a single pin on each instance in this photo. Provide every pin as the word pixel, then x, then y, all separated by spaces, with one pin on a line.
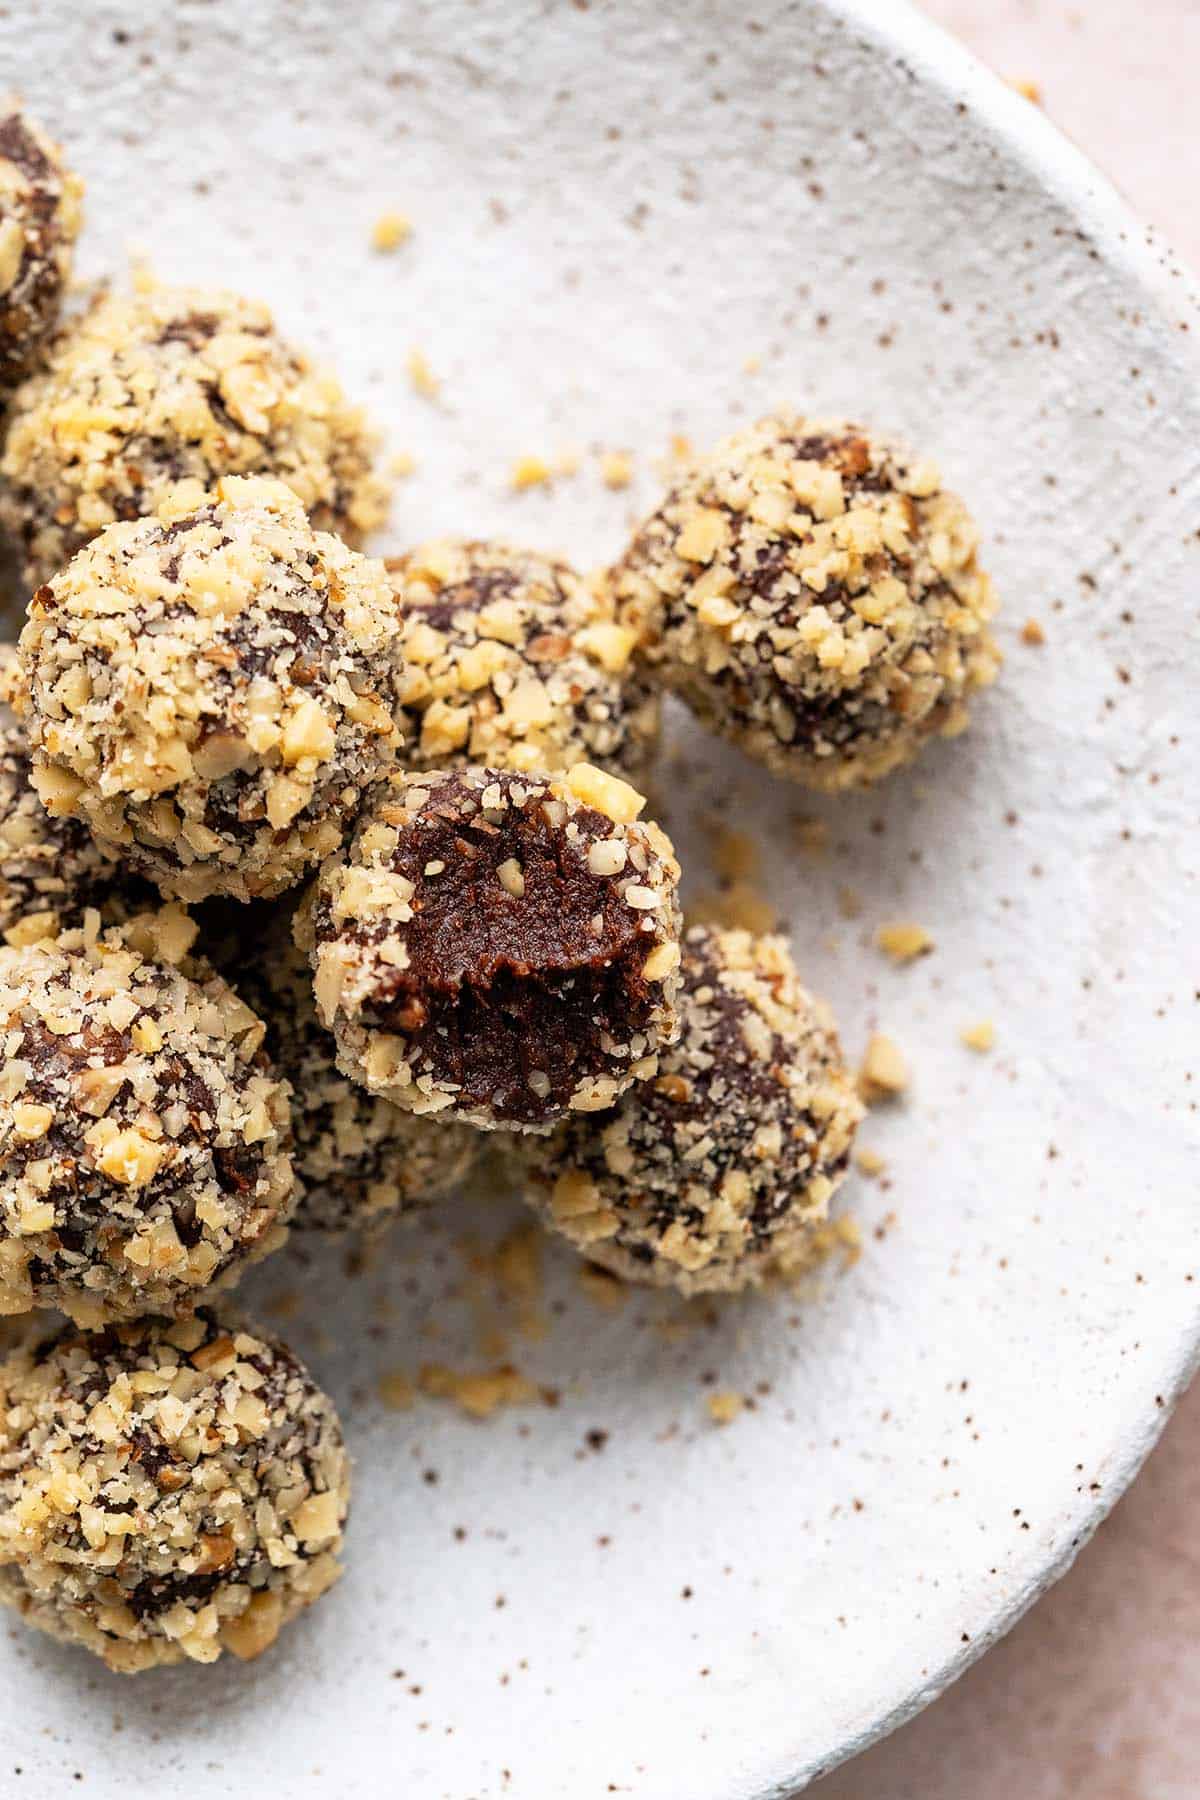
pixel 616 468
pixel 883 1072
pixel 724 1406
pixel 390 230
pixel 529 472
pixel 903 941
pixel 481 1393
pixel 422 377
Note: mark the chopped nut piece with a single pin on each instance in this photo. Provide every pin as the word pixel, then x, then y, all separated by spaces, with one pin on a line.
pixel 739 906
pixel 980 1036
pixel 130 1159
pixel 478 1395
pixel 510 877
pixel 422 377
pixel 616 799
pixel 903 942
pixel 616 468
pixel 1032 633
pixel 531 471
pixel 31 1121
pixel 389 231
pixel 884 1072
pixel 724 1406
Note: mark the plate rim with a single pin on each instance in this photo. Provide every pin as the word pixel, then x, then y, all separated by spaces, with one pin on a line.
pixel 900 30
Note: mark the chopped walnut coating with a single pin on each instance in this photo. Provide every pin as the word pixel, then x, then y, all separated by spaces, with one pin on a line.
pixel 813 593
pixel 143 1135
pixel 175 385
pixel 39 221
pixel 168 1490
pixel 211 690
pixel 499 947
pixel 513 662
pixel 359 1161
pixel 716 1172
pixel 51 869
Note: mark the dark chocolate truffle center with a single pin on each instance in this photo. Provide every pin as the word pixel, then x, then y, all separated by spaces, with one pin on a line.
pixel 515 996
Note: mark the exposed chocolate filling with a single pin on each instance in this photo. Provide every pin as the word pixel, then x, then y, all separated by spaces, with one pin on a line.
pixel 501 988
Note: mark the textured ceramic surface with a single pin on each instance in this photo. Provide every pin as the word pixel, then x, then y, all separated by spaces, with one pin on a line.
pixel 614 209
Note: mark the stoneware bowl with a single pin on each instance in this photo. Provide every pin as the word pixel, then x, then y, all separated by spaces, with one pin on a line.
pixel 632 222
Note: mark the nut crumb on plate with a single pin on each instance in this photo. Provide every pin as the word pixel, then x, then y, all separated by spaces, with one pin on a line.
pixel 883 1072
pixel 903 941
pixel 724 1406
pixel 390 230
pixel 531 471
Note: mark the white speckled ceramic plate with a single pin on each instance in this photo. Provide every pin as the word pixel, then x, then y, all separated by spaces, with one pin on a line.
pixel 616 206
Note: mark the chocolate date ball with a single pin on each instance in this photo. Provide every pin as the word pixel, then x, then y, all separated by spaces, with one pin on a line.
pixel 39 221
pixel 51 869
pixel 497 947
pixel 175 385
pixel 359 1161
pixel 143 1136
pixel 813 593
pixel 168 1489
pixel 513 662
pixel 211 689
pixel 717 1170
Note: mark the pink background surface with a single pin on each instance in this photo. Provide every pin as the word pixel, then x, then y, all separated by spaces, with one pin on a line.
pixel 1096 1694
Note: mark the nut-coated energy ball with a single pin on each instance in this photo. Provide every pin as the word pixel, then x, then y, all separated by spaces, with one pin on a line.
pixel 168 1489
pixel 143 1137
pixel 39 220
pixel 51 869
pixel 813 593
pixel 211 689
pixel 513 662
pixel 502 948
pixel 174 385
pixel 359 1161
pixel 717 1170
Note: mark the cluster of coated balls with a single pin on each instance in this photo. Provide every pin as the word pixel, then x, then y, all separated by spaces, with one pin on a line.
pixel 313 869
